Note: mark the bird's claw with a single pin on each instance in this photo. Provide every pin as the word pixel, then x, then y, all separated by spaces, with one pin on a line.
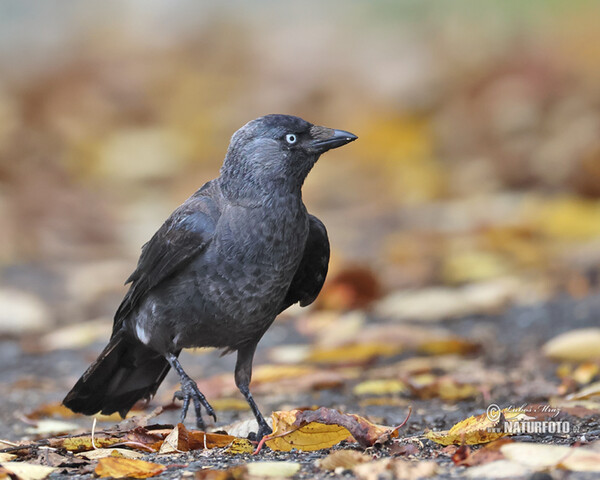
pixel 190 392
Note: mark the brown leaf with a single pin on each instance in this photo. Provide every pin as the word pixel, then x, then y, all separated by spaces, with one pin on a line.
pixel 176 441
pixel 354 287
pixel 404 450
pixel 461 453
pixel 126 467
pixel 488 453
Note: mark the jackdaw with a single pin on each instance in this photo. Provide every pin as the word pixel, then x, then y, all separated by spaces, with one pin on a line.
pixel 232 257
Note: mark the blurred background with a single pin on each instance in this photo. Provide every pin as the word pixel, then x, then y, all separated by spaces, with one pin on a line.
pixel 478 156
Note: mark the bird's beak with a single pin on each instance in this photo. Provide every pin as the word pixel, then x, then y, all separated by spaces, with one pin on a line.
pixel 327 138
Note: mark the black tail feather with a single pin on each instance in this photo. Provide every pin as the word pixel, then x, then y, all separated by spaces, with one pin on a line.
pixel 125 372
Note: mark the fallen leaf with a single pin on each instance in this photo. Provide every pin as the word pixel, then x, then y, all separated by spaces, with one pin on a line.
pixel 471 431
pixel 110 452
pixel 126 467
pixel 354 287
pixel 322 428
pixel 499 469
pixel 240 446
pixel 436 303
pixel 229 404
pixel 345 459
pixel 488 453
pixel 396 468
pixel 273 469
pixel 575 345
pixel 428 386
pixel 51 427
pixel 379 387
pixel 452 345
pixel 592 391
pixel 313 436
pixel 353 354
pixel 176 441
pixel 405 449
pixel 535 455
pixel 233 473
pixel 28 471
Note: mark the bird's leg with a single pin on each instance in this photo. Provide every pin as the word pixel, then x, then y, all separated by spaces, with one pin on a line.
pixel 243 374
pixel 189 391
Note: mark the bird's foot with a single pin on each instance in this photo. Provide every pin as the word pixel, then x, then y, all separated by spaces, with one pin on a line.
pixel 190 392
pixel 263 430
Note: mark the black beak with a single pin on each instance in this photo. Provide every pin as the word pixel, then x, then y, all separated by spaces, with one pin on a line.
pixel 337 139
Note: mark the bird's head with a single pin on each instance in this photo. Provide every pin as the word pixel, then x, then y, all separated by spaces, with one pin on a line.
pixel 278 149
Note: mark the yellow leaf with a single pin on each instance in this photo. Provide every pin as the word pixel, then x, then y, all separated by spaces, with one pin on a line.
pixel 240 446
pixel 472 265
pixel 471 431
pixel 379 387
pixel 314 436
pixel 568 218
pixel 126 467
pixel 318 429
pixel 354 353
pixel 228 404
pixel 83 443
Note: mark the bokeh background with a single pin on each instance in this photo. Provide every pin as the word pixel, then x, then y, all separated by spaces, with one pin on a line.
pixel 478 155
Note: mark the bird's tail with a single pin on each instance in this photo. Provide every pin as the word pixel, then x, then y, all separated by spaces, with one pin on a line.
pixel 126 371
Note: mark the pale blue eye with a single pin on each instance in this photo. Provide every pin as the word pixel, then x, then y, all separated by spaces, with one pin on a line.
pixel 291 138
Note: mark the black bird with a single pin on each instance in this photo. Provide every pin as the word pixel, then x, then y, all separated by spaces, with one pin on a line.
pixel 232 257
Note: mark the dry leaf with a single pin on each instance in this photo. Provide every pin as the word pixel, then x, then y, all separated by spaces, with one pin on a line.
pixel 379 387
pixel 353 354
pixel 176 441
pixel 499 469
pixel 322 428
pixel 51 427
pixel 110 452
pixel 229 404
pixel 273 469
pixel 451 345
pixel 535 455
pixel 396 468
pixel 471 431
pixel 28 471
pixel 240 446
pixel 345 459
pixel 538 456
pixel 126 467
pixel 436 303
pixel 307 438
pixel 488 453
pixel 592 391
pixel 354 287
pixel 575 345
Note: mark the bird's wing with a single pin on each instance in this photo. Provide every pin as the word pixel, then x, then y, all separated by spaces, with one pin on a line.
pixel 183 236
pixel 311 273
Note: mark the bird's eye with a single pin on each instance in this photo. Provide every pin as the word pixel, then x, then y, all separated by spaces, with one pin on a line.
pixel 291 138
